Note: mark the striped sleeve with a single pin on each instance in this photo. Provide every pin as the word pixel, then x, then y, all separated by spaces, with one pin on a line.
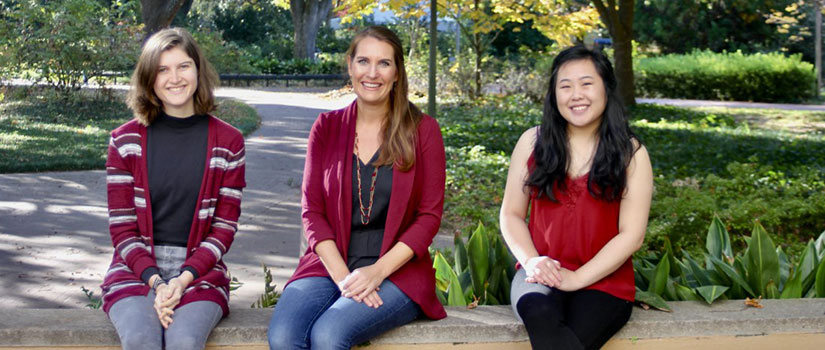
pixel 124 199
pixel 225 209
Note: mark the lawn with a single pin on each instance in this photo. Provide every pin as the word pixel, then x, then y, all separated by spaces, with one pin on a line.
pixel 740 164
pixel 42 132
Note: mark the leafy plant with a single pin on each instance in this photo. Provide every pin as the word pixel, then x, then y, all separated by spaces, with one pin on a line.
pixel 95 302
pixel 68 42
pixel 480 273
pixel 766 77
pixel 270 296
pixel 234 283
pixel 762 271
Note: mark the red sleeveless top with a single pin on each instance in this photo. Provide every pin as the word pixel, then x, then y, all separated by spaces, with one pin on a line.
pixel 575 228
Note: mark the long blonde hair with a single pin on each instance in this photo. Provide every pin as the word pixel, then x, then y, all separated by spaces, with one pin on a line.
pixel 400 128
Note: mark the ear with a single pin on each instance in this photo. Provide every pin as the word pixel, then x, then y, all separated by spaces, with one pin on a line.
pixel 349 65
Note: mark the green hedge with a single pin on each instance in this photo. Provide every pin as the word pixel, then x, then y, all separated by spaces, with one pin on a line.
pixel 275 65
pixel 768 77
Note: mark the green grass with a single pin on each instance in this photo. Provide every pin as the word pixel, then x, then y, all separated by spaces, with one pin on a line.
pixel 688 143
pixel 42 132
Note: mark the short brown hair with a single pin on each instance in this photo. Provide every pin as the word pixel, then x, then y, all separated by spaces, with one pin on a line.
pixel 401 126
pixel 142 98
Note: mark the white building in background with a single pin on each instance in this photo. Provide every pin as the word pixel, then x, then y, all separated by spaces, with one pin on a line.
pixel 382 17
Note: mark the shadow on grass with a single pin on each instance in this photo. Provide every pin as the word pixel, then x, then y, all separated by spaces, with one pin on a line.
pixel 681 153
pixel 41 134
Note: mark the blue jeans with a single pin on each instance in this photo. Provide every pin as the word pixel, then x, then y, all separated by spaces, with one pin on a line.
pixel 312 314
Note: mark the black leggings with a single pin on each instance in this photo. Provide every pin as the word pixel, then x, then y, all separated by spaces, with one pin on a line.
pixel 584 319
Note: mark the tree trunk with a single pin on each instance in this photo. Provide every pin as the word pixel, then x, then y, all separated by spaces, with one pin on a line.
pixel 619 22
pixel 818 45
pixel 158 14
pixel 415 30
pixel 623 55
pixel 307 16
pixel 478 48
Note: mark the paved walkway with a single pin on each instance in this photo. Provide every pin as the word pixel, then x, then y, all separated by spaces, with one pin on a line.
pixel 53 226
pixel 730 104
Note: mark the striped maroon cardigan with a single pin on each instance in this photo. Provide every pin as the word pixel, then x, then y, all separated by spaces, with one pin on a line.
pixel 213 224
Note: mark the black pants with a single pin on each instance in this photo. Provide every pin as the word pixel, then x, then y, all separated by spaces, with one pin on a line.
pixel 584 319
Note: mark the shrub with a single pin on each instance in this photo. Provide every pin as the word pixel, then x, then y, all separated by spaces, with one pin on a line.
pixel 765 77
pixel 327 64
pixel 225 56
pixel 68 42
pixel 479 139
pixel 791 206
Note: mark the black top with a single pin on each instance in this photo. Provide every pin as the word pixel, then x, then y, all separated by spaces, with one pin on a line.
pixel 365 240
pixel 176 158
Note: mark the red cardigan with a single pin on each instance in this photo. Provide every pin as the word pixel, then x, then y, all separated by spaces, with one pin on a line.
pixel 413 216
pixel 214 221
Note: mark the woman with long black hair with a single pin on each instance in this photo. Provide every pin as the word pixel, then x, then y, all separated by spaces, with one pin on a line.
pixel 587 182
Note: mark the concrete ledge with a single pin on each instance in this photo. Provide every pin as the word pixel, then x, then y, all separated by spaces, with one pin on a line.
pixel 796 322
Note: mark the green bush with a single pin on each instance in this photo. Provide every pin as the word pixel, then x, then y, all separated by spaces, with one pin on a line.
pixel 479 139
pixel 68 42
pixel 792 206
pixel 765 77
pixel 331 64
pixel 225 56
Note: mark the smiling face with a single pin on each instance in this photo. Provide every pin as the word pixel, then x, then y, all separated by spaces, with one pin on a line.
pixel 373 71
pixel 176 82
pixel 580 94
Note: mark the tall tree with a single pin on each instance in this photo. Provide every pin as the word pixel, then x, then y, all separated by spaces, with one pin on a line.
pixel 307 17
pixel 159 14
pixel 618 18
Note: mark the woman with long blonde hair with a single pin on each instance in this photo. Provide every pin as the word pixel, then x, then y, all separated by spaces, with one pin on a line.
pixel 373 192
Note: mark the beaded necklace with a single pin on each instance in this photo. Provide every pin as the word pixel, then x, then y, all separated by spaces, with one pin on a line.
pixel 365 211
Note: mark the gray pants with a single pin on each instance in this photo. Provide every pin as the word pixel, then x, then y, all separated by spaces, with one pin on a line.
pixel 137 322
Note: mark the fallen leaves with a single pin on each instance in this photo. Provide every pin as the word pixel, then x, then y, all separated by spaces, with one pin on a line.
pixel 756 302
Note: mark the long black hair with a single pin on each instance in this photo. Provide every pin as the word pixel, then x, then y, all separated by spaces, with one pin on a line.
pixel 608 171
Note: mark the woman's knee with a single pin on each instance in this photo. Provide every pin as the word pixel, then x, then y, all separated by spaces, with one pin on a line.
pixel 537 307
pixel 282 335
pixel 140 341
pixel 185 342
pixel 328 335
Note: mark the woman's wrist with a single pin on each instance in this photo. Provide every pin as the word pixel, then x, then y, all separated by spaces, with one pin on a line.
pixel 157 281
pixel 186 278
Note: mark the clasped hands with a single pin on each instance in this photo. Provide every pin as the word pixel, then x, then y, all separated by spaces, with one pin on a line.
pixel 362 285
pixel 547 271
pixel 167 297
